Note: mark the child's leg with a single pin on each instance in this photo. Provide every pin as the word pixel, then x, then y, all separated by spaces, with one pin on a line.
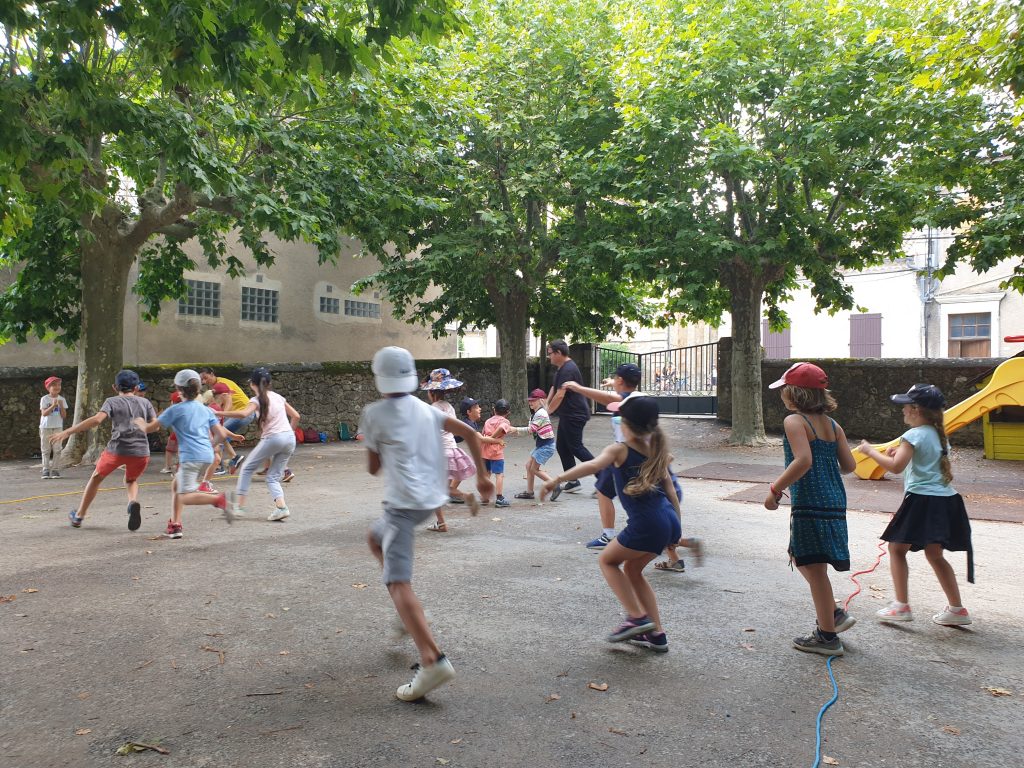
pixel 606 509
pixel 944 573
pixel 499 484
pixel 634 571
pixel 613 556
pixel 176 505
pixel 410 610
pixel 89 493
pixel 821 593
pixel 278 464
pixel 216 463
pixel 899 570
pixel 532 471
pixel 671 553
pixel 257 456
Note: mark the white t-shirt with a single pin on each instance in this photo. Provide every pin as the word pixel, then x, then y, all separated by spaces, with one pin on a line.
pixel 54 420
pixel 277 415
pixel 405 432
pixel 447 438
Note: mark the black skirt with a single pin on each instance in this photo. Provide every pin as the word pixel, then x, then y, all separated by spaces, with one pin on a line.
pixel 923 520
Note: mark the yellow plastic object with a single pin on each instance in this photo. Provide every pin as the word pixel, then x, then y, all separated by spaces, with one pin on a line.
pixel 1006 387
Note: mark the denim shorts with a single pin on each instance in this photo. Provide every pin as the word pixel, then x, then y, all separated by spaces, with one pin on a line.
pixel 495 466
pixel 542 453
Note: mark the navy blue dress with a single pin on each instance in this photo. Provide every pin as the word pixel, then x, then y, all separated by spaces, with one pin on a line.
pixel 651 521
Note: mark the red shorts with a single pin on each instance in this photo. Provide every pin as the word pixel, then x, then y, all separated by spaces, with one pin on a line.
pixel 134 466
pixel 172 444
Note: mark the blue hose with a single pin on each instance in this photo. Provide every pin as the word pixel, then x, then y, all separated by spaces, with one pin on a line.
pixel 821 712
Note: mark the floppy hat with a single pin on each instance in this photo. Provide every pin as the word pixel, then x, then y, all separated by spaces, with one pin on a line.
pixel 394 371
pixel 127 380
pixel 642 411
pixel 51 380
pixel 925 395
pixel 441 378
pixel 537 394
pixel 806 375
pixel 183 377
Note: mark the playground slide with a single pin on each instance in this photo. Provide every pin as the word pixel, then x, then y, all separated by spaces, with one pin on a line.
pixel 1006 387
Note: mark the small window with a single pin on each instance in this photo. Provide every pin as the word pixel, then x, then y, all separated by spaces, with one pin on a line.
pixel 970 335
pixel 362 309
pixel 259 304
pixel 203 299
pixel 330 306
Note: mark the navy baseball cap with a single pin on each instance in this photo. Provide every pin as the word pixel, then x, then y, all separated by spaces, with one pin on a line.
pixel 466 404
pixel 925 395
pixel 629 372
pixel 126 380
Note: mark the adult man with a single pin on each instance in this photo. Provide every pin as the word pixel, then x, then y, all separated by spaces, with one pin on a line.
pixel 572 410
pixel 239 400
pixel 624 384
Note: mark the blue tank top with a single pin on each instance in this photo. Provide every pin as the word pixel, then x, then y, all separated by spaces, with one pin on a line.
pixel 821 488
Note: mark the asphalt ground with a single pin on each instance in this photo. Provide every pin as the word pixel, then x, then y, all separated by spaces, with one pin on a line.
pixel 271 644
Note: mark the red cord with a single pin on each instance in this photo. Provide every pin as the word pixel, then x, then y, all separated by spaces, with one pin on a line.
pixel 853 577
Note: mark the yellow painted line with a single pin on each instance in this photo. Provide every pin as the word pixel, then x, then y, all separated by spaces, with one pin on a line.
pixel 99 490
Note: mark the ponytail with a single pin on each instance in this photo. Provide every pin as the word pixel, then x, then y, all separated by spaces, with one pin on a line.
pixel 936 418
pixel 260 379
pixel 655 467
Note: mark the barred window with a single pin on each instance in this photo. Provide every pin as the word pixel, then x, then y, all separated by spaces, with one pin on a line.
pixel 202 300
pixel 259 304
pixel 330 306
pixel 362 309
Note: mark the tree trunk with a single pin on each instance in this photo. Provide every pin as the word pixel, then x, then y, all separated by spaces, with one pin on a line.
pixel 513 324
pixel 746 290
pixel 105 263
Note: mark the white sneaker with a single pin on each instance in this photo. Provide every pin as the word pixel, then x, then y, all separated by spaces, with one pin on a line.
pixel 895 612
pixel 279 513
pixel 426 679
pixel 951 618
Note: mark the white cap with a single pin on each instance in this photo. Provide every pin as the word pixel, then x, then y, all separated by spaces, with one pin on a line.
pixel 394 371
pixel 182 378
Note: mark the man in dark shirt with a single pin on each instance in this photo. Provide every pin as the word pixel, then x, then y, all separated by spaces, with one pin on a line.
pixel 572 410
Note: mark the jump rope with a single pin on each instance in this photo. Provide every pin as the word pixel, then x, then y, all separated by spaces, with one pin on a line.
pixel 828 662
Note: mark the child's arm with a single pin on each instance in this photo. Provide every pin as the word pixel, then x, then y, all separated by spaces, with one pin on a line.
pixel 53 406
pixel 293 415
pixel 895 462
pixel 846 461
pixel 242 413
pixel 147 426
pixel 223 434
pixel 473 442
pixel 616 452
pixel 597 395
pixel 374 461
pixel 82 426
pixel 802 460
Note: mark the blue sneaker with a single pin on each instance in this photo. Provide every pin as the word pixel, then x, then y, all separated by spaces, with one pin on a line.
pixel 655 642
pixel 76 521
pixel 600 542
pixel 630 628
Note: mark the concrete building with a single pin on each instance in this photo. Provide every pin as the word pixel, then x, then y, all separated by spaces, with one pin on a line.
pixel 294 311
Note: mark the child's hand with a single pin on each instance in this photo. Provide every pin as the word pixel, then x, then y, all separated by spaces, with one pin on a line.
pixel 57 438
pixel 890 452
pixel 770 502
pixel 547 488
pixel 234 437
pixel 865 447
pixel 484 486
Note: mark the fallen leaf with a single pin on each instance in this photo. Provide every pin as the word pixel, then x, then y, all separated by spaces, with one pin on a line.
pixel 747 646
pixel 84 695
pixel 360 586
pixel 876 588
pixel 218 651
pixel 149 551
pixel 309 685
pixel 951 729
pixel 495 519
pixel 563 674
pixel 572 715
pixel 442 761
pixel 286 609
pixel 8 598
pixel 617 731
pixel 455 741
pixel 83 731
pixel 283 653
pixel 269 616
pixel 749 629
pixel 598 686
pixel 829 760
pixel 136 746
pixel 998 691
pixel 553 697
pixel 135 578
pixel 154 538
pixel 29 591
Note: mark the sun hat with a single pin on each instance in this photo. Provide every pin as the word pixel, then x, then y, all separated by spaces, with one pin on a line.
pixel 51 380
pixel 466 404
pixel 642 411
pixel 441 378
pixel 925 395
pixel 394 371
pixel 629 373
pixel 806 375
pixel 183 377
pixel 537 394
pixel 126 380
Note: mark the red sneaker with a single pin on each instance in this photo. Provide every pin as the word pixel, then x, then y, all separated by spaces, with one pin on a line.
pixel 207 487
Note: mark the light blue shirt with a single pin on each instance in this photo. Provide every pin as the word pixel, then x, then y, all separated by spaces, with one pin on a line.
pixel 191 422
pixel 923 475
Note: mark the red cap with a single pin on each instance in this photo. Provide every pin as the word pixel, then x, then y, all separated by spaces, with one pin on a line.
pixel 537 394
pixel 51 380
pixel 175 397
pixel 806 375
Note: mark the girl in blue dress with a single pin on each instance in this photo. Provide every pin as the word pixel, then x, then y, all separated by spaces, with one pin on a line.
pixel 817 454
pixel 644 487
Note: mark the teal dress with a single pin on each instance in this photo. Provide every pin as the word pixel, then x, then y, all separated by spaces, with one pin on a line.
pixel 817 521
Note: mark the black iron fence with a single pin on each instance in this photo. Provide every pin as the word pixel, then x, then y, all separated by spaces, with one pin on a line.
pixel 685 377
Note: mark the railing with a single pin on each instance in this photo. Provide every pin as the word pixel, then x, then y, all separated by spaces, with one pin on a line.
pixel 680 372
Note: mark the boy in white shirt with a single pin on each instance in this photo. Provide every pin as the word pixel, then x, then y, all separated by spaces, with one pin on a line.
pixel 403 437
pixel 52 410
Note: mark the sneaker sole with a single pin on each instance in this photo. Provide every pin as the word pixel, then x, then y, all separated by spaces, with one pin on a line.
pixel 631 633
pixel 134 515
pixel 649 645
pixel 953 623
pixel 820 651
pixel 896 618
pixel 405 695
pixel 850 621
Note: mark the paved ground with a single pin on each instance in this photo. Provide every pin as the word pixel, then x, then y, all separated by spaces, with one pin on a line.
pixel 266 644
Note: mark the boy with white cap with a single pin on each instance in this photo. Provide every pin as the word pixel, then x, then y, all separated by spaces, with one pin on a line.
pixel 403 437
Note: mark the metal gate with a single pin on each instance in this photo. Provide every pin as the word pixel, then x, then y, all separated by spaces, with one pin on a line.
pixel 684 379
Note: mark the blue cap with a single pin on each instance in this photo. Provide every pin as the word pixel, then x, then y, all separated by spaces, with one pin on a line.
pixel 126 380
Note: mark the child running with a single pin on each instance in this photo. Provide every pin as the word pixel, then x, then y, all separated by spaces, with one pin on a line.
pixel 932 516
pixel 496 428
pixel 403 437
pixel 128 447
pixel 276 420
pixel 644 486
pixel 192 422
pixel 816 454
pixel 543 441
pixel 460 466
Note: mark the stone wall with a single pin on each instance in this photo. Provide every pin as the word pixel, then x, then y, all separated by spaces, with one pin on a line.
pixel 326 394
pixel 862 388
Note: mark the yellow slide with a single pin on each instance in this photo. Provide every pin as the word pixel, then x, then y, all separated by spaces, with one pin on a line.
pixel 1006 387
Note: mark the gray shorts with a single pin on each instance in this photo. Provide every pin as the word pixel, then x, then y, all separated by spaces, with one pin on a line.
pixel 395 531
pixel 190 474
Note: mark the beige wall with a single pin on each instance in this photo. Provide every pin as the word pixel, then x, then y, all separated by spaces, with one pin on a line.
pixel 302 333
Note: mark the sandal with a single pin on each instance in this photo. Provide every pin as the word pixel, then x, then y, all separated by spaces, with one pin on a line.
pixel 437 527
pixel 523 495
pixel 665 565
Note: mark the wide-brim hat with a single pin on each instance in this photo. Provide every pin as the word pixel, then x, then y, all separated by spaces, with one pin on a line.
pixel 440 378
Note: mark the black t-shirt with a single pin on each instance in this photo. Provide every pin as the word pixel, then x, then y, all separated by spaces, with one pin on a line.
pixel 573 405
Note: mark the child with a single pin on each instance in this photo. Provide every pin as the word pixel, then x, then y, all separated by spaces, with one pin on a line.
pixel 52 410
pixel 543 439
pixel 403 436
pixel 932 516
pixel 459 464
pixel 816 453
pixel 128 447
pixel 644 486
pixel 171 448
pixel 276 420
pixel 496 428
pixel 192 422
pixel 221 401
